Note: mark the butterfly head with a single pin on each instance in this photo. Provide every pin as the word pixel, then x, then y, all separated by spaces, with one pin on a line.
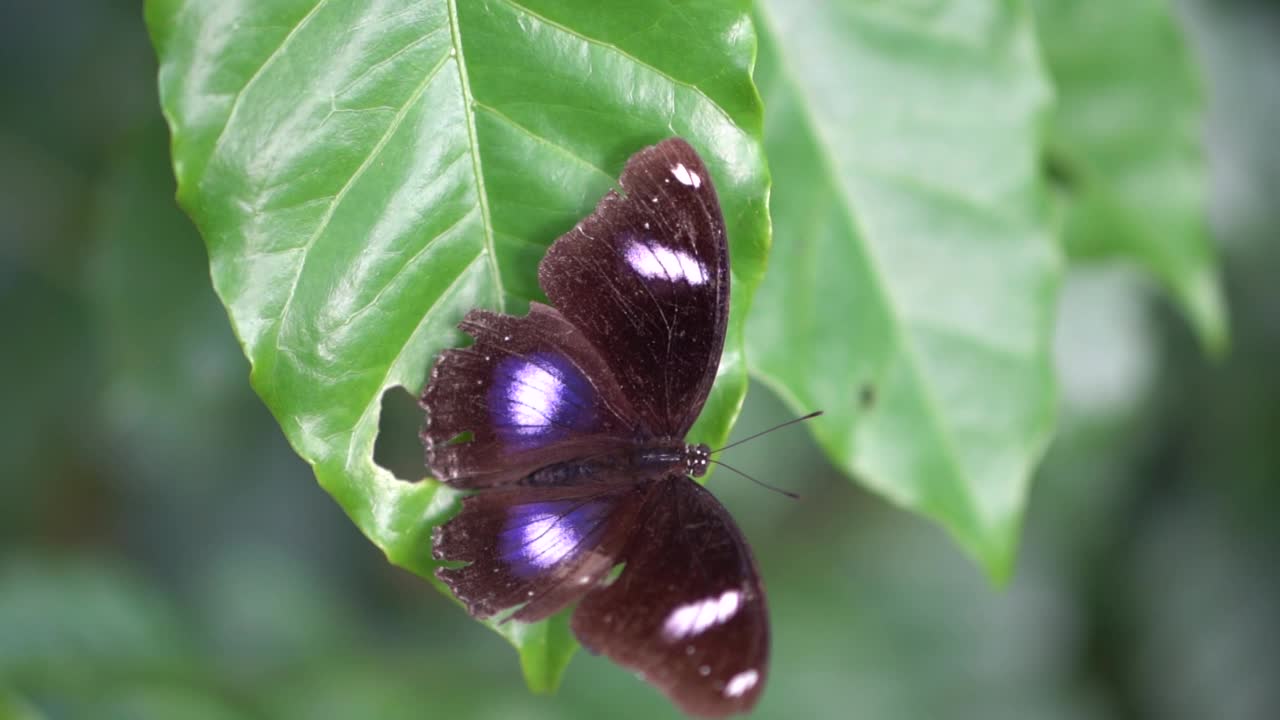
pixel 696 459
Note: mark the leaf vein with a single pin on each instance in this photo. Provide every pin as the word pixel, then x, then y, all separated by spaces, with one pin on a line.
pixel 615 48
pixel 346 187
pixel 468 99
pixel 544 140
pixel 275 54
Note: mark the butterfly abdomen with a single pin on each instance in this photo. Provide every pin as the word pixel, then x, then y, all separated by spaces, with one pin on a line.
pixel 574 472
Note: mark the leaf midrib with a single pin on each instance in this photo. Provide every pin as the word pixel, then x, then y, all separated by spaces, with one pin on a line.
pixel 468 109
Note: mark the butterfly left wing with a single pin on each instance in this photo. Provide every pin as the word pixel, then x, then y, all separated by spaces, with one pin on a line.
pixel 530 392
pixel 688 611
pixel 536 547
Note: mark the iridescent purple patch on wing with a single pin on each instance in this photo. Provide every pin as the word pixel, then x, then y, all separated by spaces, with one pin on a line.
pixel 541 535
pixel 540 398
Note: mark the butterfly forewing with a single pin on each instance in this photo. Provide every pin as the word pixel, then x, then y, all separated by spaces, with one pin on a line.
pixel 646 278
pixel 688 611
pixel 531 392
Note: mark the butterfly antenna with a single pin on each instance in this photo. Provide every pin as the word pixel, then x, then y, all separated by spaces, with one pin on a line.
pixel 765 485
pixel 810 416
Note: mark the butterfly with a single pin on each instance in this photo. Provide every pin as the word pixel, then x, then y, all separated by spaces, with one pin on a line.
pixel 570 424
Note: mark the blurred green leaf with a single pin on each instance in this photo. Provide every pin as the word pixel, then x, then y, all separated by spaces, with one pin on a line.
pixel 364 174
pixel 83 622
pixel 263 614
pixel 42 412
pixel 911 292
pixel 159 702
pixel 174 377
pixel 1125 146
pixel 402 687
pixel 13 707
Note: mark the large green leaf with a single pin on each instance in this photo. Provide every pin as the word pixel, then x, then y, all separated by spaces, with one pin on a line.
pixel 911 292
pixel 1125 145
pixel 364 173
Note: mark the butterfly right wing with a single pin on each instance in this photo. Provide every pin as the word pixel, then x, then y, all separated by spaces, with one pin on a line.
pixel 531 392
pixel 688 612
pixel 646 278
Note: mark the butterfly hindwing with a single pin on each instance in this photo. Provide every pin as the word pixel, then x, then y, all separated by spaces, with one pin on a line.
pixel 688 611
pixel 539 547
pixel 531 391
pixel 646 279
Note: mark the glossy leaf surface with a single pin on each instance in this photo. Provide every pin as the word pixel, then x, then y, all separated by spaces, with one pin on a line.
pixel 910 293
pixel 364 173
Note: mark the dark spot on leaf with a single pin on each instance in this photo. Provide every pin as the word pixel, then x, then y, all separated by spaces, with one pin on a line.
pixel 1059 170
pixel 867 396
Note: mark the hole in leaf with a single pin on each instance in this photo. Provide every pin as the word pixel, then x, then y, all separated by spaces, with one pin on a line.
pixel 398 447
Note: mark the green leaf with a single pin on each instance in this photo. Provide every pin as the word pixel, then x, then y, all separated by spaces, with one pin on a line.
pixel 911 293
pixel 1125 146
pixel 363 174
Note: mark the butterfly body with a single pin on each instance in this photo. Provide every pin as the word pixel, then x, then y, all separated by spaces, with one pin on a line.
pixel 570 425
pixel 646 461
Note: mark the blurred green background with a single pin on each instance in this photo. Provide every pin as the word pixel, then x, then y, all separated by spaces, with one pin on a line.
pixel 164 554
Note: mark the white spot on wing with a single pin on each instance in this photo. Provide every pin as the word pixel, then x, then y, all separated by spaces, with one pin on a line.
pixel 695 618
pixel 657 261
pixel 686 176
pixel 741 683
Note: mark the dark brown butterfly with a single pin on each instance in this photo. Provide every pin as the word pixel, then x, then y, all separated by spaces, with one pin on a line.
pixel 570 422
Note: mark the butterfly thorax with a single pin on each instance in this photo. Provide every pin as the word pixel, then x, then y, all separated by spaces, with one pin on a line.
pixel 649 461
pixel 675 458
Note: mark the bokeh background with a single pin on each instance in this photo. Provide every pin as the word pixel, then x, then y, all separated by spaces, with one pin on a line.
pixel 163 553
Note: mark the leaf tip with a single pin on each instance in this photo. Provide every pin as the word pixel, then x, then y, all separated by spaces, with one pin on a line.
pixel 1204 303
pixel 545 648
